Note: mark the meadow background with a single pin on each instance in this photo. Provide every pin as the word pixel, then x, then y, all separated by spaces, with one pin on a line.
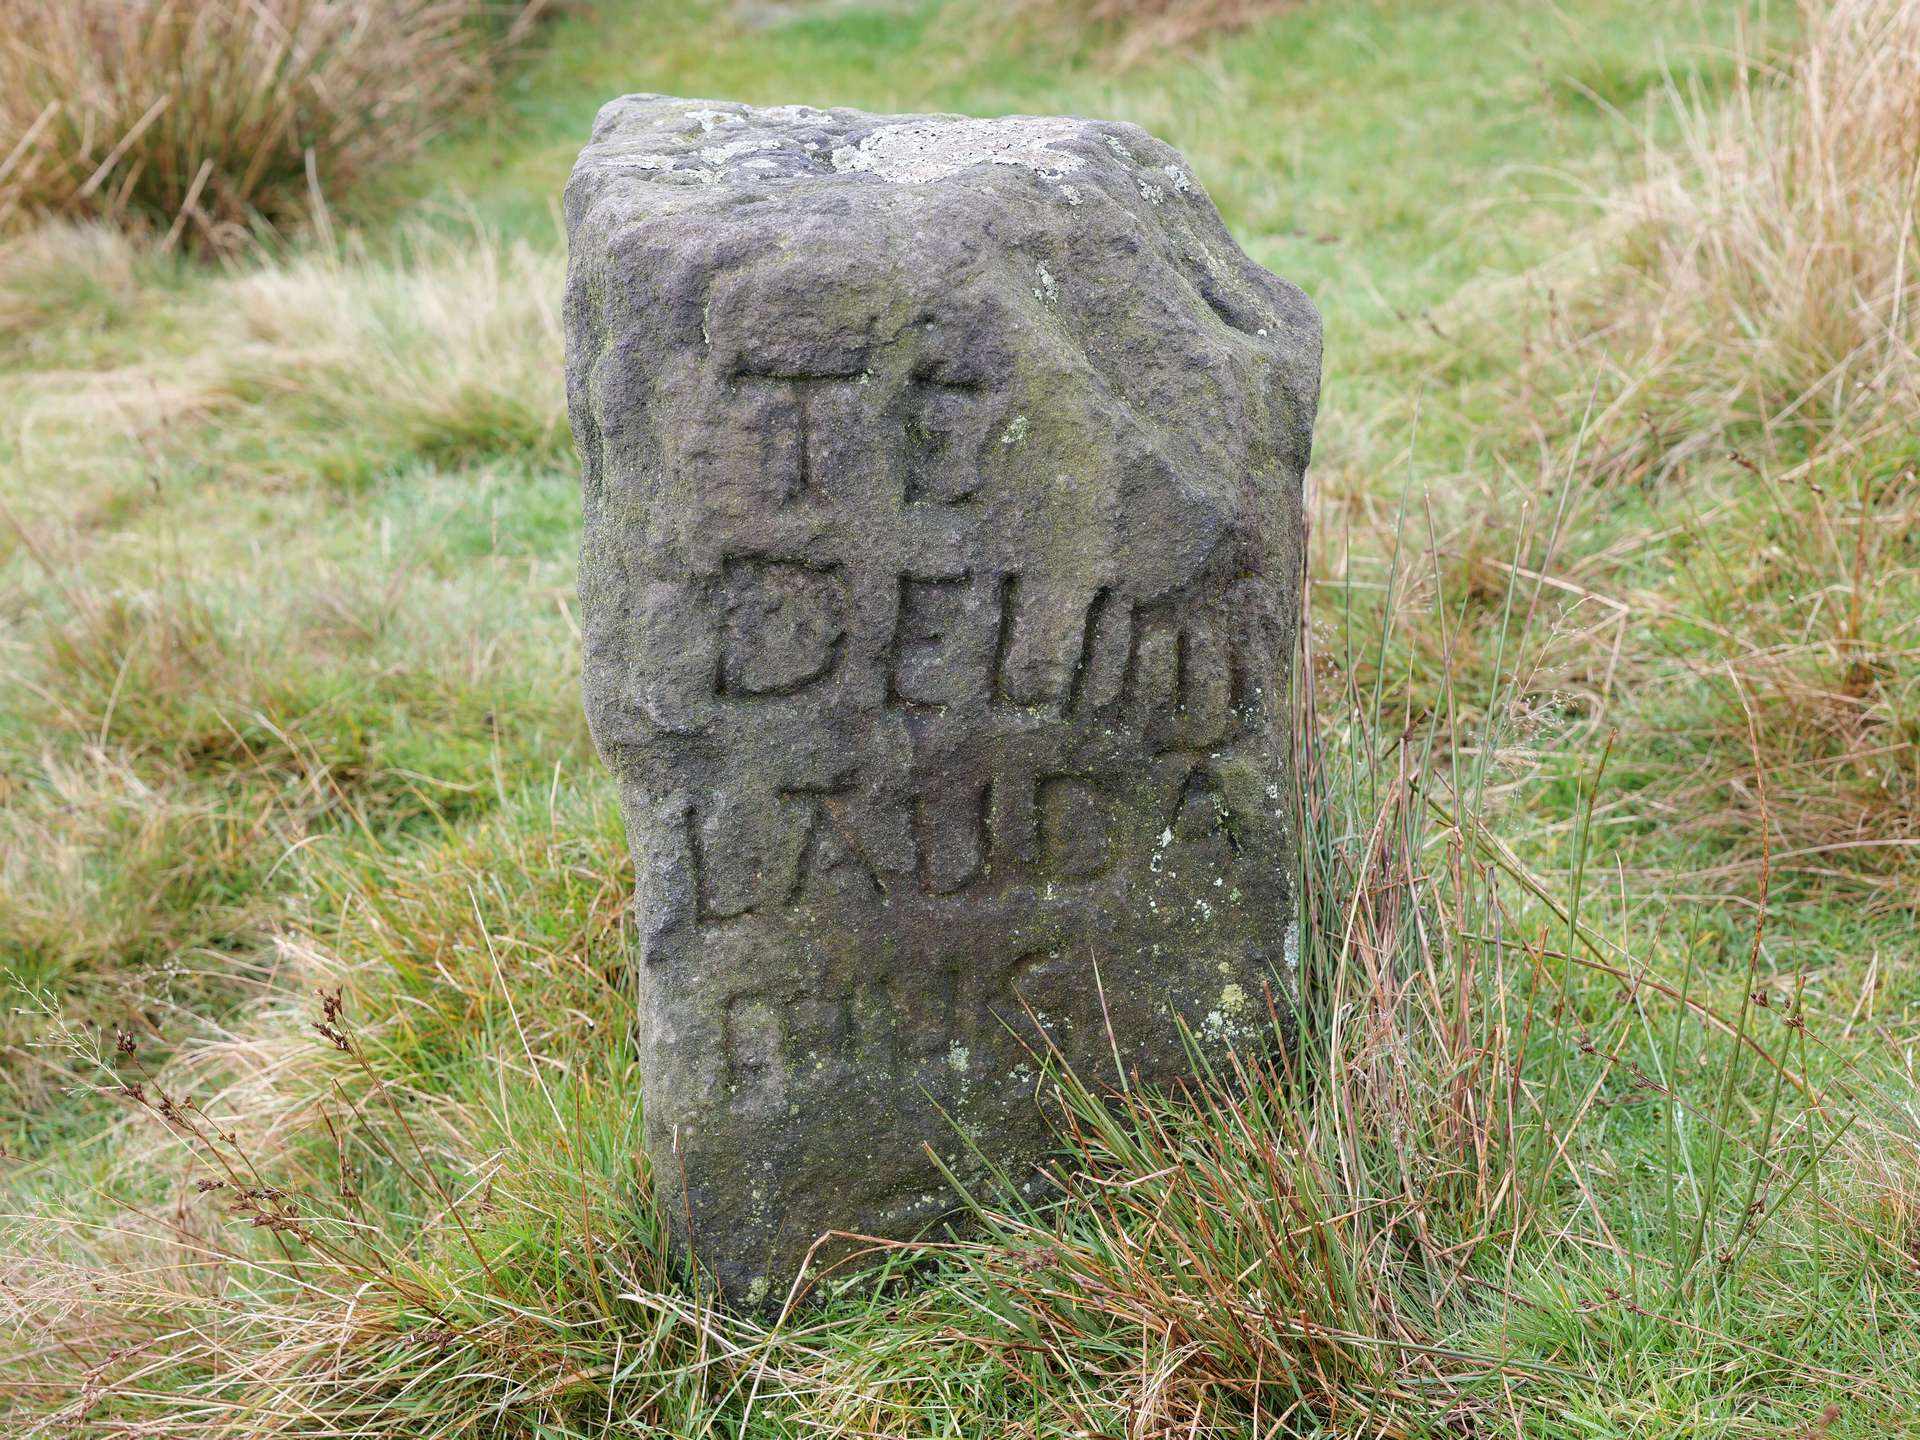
pixel 318 1113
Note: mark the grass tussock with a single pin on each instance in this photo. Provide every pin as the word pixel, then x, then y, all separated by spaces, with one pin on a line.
pixel 450 355
pixel 178 757
pixel 1782 233
pixel 202 119
pixel 58 273
pixel 1705 454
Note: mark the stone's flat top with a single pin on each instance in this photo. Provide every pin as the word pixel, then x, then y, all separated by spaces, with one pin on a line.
pixel 706 142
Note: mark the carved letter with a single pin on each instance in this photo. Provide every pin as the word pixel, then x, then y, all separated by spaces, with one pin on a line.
pixel 784 625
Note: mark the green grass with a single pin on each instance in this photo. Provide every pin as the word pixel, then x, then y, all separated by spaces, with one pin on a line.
pixel 1603 1121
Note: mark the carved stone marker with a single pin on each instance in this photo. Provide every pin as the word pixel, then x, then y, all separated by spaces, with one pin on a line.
pixel 943 546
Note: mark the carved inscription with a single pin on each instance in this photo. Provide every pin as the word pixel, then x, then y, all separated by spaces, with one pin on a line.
pixel 797 452
pixel 834 861
pixel 951 828
pixel 952 1013
pixel 1036 681
pixel 955 638
pixel 779 849
pixel 752 850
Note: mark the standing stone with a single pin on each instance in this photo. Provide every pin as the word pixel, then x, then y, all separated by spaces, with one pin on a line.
pixel 940 581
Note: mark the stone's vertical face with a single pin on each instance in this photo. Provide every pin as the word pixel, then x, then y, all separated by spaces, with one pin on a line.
pixel 943 539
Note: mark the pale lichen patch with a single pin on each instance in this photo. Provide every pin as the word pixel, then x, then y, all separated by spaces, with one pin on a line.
pixel 934 149
pixel 707 119
pixel 734 149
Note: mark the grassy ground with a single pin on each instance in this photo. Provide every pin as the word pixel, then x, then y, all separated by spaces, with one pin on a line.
pixel 318 1112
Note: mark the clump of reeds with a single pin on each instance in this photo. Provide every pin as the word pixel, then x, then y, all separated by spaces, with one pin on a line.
pixel 204 118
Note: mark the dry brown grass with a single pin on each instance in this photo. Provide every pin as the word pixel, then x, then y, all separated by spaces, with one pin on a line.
pixel 333 366
pixel 1780 318
pixel 172 732
pixel 204 118
pixel 1718 421
pixel 1783 231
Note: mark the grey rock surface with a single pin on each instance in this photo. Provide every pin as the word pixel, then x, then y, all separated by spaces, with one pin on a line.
pixel 940 581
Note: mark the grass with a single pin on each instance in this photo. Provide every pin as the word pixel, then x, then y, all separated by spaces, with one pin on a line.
pixel 319 1110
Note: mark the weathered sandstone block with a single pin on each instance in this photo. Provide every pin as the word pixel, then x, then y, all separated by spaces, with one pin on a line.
pixel 943 539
